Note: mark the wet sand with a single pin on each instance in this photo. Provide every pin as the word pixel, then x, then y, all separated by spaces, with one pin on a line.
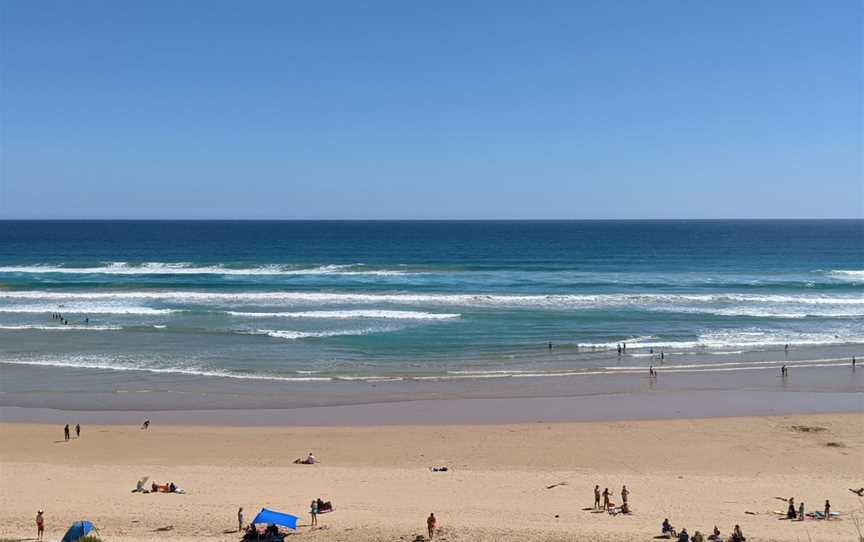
pixel 696 472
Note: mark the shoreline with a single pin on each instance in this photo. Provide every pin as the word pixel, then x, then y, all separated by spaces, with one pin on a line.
pixel 483 411
pixel 29 393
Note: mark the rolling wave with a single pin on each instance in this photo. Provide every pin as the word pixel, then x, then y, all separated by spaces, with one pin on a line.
pixel 349 314
pixel 748 338
pixel 59 327
pixel 514 300
pixel 163 268
pixel 294 335
pixel 847 274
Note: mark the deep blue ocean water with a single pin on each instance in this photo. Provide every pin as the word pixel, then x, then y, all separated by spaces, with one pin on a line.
pixel 318 299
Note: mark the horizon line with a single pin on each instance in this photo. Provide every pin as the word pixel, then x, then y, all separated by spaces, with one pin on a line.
pixel 425 219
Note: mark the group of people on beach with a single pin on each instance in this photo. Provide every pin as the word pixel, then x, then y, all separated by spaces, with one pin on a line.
pixel 66 432
pixel 668 531
pixel 608 505
pixel 798 513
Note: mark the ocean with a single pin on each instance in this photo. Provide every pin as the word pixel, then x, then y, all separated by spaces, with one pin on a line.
pixel 322 301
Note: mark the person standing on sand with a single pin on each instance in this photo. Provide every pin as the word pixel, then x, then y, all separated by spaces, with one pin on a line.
pixel 853 362
pixel 606 498
pixel 77 430
pixel 596 497
pixel 624 494
pixel 431 523
pixel 313 511
pixel 801 511
pixel 240 520
pixel 827 510
pixel 146 424
pixel 66 433
pixel 40 525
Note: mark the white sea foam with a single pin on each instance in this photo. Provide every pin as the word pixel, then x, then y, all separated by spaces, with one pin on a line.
pixel 856 275
pixel 349 314
pixel 89 362
pixel 124 365
pixel 85 308
pixel 747 338
pixel 552 301
pixel 59 327
pixel 182 268
pixel 294 335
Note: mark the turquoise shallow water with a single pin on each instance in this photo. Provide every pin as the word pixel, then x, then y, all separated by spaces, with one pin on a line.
pixel 308 301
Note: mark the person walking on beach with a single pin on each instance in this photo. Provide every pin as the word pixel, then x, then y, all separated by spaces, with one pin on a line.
pixel 66 433
pixel 146 424
pixel 240 520
pixel 606 499
pixel 619 349
pixel 77 430
pixel 431 522
pixel 662 355
pixel 853 363
pixel 624 494
pixel 596 497
pixel 40 525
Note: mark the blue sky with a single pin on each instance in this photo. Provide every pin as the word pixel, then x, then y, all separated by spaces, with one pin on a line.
pixel 570 109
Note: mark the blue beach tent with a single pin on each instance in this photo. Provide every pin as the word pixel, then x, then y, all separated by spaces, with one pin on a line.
pixel 276 518
pixel 77 531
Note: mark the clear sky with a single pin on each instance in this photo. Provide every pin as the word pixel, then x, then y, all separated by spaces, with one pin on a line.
pixel 431 109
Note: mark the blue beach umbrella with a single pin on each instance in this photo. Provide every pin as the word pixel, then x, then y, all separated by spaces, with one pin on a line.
pixel 77 531
pixel 276 518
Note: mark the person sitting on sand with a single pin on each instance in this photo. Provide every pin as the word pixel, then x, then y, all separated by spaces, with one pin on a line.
pixel 697 537
pixel 171 487
pixel 310 460
pixel 684 536
pixel 146 424
pixel 737 535
pixel 154 487
pixel 715 535
pixel 667 529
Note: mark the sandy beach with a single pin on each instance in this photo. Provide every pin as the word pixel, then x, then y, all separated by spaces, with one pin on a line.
pixel 505 482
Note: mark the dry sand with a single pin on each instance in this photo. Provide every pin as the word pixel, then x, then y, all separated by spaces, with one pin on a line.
pixel 696 472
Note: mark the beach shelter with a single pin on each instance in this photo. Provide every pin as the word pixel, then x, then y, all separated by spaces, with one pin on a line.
pixel 77 531
pixel 276 518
